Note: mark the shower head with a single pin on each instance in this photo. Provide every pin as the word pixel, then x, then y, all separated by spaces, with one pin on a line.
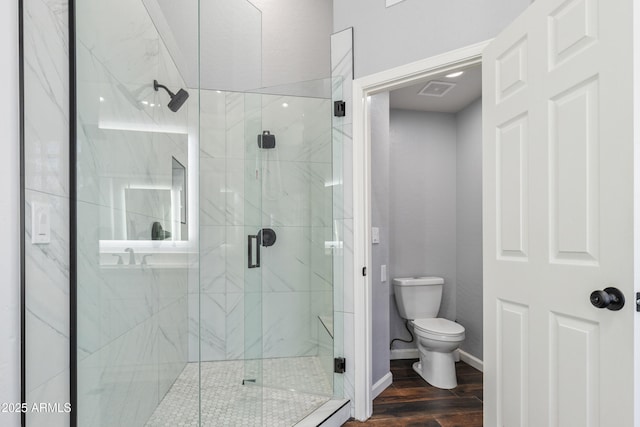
pixel 177 99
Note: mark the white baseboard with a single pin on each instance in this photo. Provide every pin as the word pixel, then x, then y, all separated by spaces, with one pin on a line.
pixel 471 360
pixel 405 353
pixel 381 385
pixel 412 353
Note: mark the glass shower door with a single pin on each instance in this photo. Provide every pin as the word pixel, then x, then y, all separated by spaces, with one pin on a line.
pixel 289 296
pixel 253 303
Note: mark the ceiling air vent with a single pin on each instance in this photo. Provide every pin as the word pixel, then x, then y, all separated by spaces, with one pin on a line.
pixel 435 88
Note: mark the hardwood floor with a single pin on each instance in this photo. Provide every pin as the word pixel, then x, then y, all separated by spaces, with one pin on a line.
pixel 411 402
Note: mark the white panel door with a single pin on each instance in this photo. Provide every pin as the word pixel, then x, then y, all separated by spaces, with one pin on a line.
pixel 559 216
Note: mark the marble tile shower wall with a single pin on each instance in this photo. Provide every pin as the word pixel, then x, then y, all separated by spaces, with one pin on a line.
pixel 286 189
pixel 132 320
pixel 46 182
pixel 208 318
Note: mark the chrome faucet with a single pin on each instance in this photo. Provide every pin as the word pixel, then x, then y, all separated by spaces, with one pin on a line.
pixel 132 256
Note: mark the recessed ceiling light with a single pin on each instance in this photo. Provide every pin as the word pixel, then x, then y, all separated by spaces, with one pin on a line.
pixel 285 105
pixel 101 99
pixel 144 102
pixel 454 75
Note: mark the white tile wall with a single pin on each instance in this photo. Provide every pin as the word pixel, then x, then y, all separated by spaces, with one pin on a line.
pixel 213 252
pixel 122 36
pixel 46 181
pixel 54 391
pixel 118 385
pixel 207 333
pixel 213 123
pixel 287 265
pixel 287 325
pixel 172 343
pixel 235 325
pixel 236 260
pixel 46 91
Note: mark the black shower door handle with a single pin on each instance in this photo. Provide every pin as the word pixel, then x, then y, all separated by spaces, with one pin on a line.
pixel 254 251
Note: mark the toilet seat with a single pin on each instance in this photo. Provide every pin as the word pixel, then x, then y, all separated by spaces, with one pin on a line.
pixel 439 329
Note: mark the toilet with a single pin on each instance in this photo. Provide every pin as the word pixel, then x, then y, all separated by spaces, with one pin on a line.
pixel 418 300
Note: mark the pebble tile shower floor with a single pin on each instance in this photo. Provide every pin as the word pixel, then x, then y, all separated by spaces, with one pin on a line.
pixel 292 388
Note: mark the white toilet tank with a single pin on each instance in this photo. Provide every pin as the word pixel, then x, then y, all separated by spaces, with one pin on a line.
pixel 418 297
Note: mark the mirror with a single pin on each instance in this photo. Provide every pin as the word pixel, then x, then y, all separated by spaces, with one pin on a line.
pixel 146 206
pixel 145 192
pixel 179 189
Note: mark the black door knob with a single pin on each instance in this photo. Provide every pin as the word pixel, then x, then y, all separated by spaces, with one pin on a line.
pixel 611 299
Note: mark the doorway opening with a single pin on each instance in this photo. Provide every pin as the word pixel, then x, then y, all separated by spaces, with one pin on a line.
pixel 388 194
pixel 426 218
pixel 426 210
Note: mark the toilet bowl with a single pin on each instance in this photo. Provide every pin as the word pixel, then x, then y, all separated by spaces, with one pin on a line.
pixel 418 300
pixel 437 340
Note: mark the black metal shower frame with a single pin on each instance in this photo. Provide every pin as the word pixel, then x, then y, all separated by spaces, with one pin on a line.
pixel 23 309
pixel 73 273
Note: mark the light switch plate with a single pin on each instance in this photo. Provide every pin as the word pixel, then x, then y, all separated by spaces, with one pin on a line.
pixel 383 273
pixel 375 235
pixel 40 223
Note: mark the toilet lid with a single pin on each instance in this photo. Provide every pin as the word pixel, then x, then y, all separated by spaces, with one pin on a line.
pixel 439 326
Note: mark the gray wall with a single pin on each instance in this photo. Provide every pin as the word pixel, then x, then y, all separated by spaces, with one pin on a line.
pixel 469 226
pixel 422 204
pixel 435 214
pixel 380 218
pixel 416 29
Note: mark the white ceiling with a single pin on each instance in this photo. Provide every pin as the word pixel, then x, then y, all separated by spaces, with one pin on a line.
pixel 468 88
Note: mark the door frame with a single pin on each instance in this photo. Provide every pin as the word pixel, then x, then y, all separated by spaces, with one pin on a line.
pixel 364 87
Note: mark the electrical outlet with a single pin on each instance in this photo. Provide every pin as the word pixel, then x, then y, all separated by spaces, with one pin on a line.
pixel 383 273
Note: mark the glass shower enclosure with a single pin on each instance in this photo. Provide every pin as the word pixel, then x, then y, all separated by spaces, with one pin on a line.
pixel 206 241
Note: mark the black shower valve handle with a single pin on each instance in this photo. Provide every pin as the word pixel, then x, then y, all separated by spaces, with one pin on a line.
pixel 267 237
